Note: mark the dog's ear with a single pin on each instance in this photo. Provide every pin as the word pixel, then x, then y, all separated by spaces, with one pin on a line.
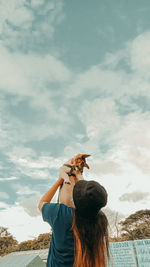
pixel 85 156
pixel 86 165
pixel 78 156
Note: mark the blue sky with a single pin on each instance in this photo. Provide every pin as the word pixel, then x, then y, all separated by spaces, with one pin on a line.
pixel 74 78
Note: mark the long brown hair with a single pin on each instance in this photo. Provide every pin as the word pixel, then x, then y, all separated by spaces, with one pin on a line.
pixel 91 240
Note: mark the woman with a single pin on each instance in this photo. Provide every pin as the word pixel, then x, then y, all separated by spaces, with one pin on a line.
pixel 80 234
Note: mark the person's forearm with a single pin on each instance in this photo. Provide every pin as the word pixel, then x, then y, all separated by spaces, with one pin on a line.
pixel 50 193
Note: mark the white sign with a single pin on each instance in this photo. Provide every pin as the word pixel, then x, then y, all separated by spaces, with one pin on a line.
pixel 122 254
pixel 143 252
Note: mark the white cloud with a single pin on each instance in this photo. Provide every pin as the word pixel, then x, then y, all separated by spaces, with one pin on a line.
pixel 21 152
pixel 28 78
pixel 111 78
pixel 26 75
pixel 102 122
pixel 4 206
pixel 102 167
pixel 116 186
pixel 30 205
pixel 134 136
pixel 4 195
pixel 21 16
pixel 34 174
pixel 97 80
pixel 34 167
pixel 45 68
pixel 35 3
pixel 111 60
pixel 140 54
pixel 19 22
pixel 24 190
pixel 134 196
pixel 23 80
pixel 8 178
pixel 12 78
pixel 39 169
pixel 7 9
pixel 43 162
pixel 99 116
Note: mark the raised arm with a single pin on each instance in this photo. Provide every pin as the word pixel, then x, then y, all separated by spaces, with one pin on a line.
pixel 50 193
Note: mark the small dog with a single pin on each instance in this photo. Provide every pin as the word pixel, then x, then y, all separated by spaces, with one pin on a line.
pixel 71 172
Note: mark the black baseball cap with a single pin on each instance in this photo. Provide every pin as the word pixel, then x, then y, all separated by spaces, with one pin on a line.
pixel 89 197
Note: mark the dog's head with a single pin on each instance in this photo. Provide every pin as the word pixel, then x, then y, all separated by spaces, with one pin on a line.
pixel 80 161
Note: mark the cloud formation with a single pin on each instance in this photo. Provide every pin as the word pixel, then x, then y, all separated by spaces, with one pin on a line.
pixel 8 179
pixel 31 206
pixel 4 195
pixel 28 25
pixel 140 54
pixel 134 196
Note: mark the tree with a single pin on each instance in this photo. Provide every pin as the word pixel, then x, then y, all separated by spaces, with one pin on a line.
pixel 136 226
pixel 44 240
pixel 7 242
pixel 25 245
pixel 41 242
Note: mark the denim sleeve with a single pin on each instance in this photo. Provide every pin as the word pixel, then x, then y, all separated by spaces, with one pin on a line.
pixel 50 212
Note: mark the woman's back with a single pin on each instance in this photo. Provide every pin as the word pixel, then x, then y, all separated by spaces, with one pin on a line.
pixel 61 252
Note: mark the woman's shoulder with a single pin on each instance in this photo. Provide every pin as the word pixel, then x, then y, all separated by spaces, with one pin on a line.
pixel 66 209
pixel 65 214
pixel 55 212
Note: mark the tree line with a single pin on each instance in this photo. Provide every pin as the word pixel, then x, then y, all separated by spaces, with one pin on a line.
pixel 9 244
pixel 134 227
